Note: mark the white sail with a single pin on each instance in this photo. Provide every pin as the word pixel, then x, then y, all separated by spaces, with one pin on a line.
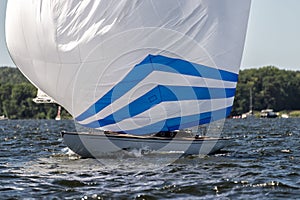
pixel 129 65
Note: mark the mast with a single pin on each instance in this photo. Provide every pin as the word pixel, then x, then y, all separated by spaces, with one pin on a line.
pixel 251 105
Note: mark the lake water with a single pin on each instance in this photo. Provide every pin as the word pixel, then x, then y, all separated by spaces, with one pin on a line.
pixel 262 162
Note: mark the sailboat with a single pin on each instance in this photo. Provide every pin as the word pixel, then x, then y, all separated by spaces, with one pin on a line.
pixel 42 97
pixel 3 117
pixel 249 114
pixel 58 117
pixel 133 74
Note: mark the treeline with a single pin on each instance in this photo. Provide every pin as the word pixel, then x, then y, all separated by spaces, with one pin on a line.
pixel 270 87
pixel 16 94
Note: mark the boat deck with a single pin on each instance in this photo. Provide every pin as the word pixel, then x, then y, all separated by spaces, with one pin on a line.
pixel 179 136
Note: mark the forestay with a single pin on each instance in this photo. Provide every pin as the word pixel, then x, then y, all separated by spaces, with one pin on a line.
pixel 135 66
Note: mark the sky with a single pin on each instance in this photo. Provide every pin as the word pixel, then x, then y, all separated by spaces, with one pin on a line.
pixel 273 36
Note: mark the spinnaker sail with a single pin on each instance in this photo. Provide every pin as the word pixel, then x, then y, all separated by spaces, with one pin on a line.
pixel 132 66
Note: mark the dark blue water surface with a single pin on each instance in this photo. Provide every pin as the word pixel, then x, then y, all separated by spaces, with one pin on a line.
pixel 262 162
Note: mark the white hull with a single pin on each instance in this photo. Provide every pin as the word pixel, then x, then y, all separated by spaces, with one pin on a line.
pixel 96 145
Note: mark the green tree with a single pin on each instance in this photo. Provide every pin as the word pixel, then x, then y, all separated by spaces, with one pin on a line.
pixel 16 94
pixel 271 88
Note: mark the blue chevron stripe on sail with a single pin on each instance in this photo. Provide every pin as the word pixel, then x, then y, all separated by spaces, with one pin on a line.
pixel 177 123
pixel 183 122
pixel 150 64
pixel 162 94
